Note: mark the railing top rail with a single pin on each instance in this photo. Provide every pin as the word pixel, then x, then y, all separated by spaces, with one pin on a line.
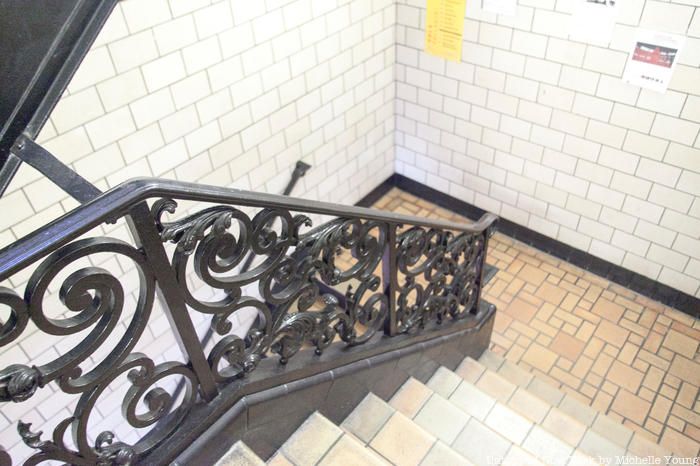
pixel 117 201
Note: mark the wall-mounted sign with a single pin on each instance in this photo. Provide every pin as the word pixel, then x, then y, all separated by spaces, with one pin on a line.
pixel 652 59
pixel 593 21
pixel 501 7
pixel 445 28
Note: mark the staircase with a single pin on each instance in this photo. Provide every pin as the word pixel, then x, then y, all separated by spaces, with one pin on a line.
pixel 486 412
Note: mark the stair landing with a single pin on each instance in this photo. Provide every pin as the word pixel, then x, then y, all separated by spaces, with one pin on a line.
pixel 625 355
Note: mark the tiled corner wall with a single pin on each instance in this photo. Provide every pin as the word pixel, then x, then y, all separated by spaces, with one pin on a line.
pixel 229 93
pixel 543 131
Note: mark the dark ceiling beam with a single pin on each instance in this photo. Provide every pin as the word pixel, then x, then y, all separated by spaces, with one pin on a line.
pixel 42 44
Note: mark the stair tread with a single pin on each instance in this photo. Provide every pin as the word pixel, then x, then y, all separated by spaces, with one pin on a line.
pixel 547 446
pixel 441 455
pixel 598 446
pixel 518 457
pixel 439 418
pixel 472 416
pixel 486 429
pixel 565 402
pixel 311 440
pixel 529 405
pixel 278 459
pixel 568 416
pixel 473 401
pixel 347 450
pixel 367 418
pixel 478 443
pixel 319 441
pixel 566 427
pixel 405 439
pixel 240 455
pixel 496 386
pixel 402 441
pixel 410 397
pixel 443 381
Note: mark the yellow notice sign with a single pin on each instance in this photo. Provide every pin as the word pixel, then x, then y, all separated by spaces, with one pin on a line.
pixel 445 28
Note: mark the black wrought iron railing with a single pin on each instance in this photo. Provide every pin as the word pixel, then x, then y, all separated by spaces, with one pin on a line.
pixel 362 277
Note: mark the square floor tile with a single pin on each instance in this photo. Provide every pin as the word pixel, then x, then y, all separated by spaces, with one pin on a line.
pixel 410 397
pixel 529 405
pixel 564 426
pixel 402 442
pixel 442 455
pixel 479 444
pixel 496 386
pixel 311 440
pixel 472 400
pixel 547 447
pixel 347 451
pixel 518 457
pixel 368 417
pixel 508 423
pixel 444 382
pixel 440 417
pixel 470 370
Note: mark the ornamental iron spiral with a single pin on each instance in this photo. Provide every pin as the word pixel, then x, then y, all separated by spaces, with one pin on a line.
pixel 342 282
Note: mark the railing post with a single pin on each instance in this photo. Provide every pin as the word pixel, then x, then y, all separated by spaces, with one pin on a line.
pixel 390 279
pixel 146 236
pixel 482 266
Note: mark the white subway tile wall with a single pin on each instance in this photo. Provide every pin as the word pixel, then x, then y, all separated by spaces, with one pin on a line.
pixel 555 139
pixel 230 93
pixel 530 125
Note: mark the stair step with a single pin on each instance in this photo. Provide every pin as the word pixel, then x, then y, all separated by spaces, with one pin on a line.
pixel 367 418
pixel 484 411
pixel 441 455
pixel 240 455
pixel 572 420
pixel 517 414
pixel 480 428
pixel 348 451
pixel 278 459
pixel 319 441
pixel 311 440
pixel 502 419
pixel 402 439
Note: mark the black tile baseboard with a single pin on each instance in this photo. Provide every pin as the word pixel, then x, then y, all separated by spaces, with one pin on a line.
pixel 613 272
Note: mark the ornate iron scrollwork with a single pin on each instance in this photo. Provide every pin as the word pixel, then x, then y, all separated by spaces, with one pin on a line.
pixel 17 321
pixel 18 383
pixel 94 302
pixel 441 275
pixel 307 288
pixel 290 266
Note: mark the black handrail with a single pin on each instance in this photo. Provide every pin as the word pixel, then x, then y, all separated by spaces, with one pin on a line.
pixel 116 202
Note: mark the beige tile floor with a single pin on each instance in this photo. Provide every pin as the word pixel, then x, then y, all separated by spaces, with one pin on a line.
pixel 628 356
